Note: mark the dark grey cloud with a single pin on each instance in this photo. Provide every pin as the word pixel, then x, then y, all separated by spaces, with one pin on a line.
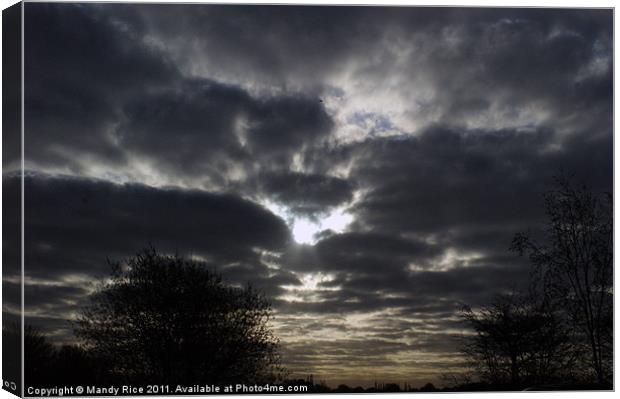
pixel 209 130
pixel 368 252
pixel 449 180
pixel 359 253
pixel 301 41
pixel 436 129
pixel 81 65
pixel 414 294
pixel 109 103
pixel 73 224
pixel 452 65
pixel 307 194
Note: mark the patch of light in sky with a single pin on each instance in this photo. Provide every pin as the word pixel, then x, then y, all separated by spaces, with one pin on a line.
pixel 309 290
pixel 304 229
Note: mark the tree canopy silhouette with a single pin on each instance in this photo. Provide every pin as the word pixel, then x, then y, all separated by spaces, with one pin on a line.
pixel 574 265
pixel 518 342
pixel 165 319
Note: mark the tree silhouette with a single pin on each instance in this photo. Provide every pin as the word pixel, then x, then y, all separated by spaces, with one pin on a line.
pixel 574 265
pixel 518 342
pixel 74 365
pixel 46 363
pixel 428 387
pixel 164 319
pixel 38 355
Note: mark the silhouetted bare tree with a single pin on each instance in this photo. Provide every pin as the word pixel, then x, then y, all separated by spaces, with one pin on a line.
pixel 574 265
pixel 165 319
pixel 517 342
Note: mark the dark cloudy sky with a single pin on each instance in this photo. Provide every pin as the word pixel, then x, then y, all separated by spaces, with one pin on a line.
pixel 366 167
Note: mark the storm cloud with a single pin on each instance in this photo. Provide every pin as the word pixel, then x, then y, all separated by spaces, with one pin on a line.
pixel 366 167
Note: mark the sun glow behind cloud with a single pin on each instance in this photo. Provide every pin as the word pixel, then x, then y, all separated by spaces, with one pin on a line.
pixel 305 229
